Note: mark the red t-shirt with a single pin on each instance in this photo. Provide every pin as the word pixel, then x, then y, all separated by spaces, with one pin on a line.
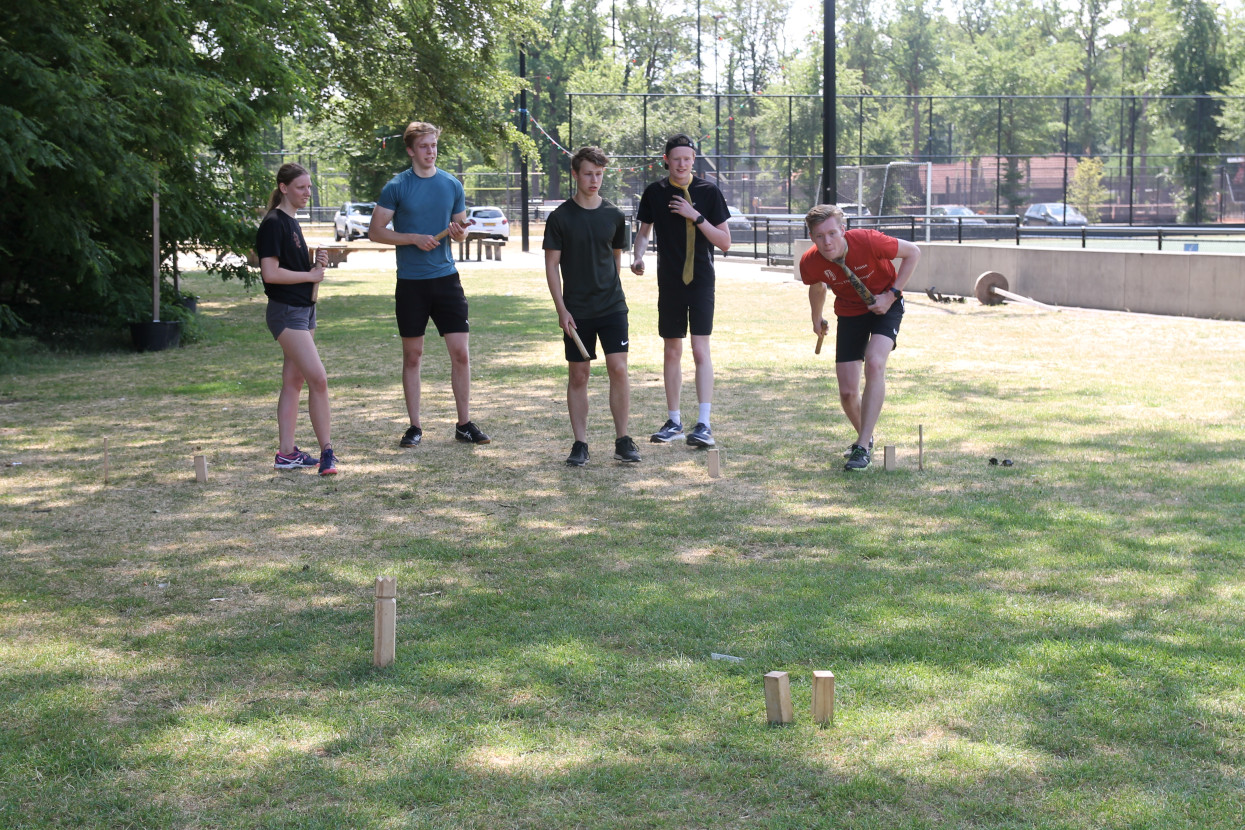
pixel 869 255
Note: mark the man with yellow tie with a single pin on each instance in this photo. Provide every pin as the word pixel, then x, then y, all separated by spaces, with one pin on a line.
pixel 690 216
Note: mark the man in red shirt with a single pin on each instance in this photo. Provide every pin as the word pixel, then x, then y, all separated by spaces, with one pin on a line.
pixel 867 333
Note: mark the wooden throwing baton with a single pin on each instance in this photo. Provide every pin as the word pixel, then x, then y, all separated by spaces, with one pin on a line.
pixel 825 327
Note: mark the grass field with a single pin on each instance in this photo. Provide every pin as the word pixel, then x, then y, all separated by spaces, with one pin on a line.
pixel 1057 644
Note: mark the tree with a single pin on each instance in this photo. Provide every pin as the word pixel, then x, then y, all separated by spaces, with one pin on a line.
pixel 106 102
pixel 1085 191
pixel 1198 68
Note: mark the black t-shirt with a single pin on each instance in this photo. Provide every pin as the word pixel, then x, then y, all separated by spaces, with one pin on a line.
pixel 591 286
pixel 279 235
pixel 670 228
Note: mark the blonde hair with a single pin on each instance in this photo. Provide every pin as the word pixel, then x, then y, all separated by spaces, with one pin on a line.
pixel 820 213
pixel 286 175
pixel 417 128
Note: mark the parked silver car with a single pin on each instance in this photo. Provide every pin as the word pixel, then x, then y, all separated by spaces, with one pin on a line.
pixel 352 220
pixel 951 214
pixel 1054 213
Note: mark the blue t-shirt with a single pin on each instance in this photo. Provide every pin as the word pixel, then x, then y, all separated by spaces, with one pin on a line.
pixel 423 206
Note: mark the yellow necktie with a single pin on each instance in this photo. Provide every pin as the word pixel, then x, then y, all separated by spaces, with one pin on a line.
pixel 689 259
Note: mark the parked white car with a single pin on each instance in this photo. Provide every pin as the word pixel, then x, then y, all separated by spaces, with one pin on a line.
pixel 352 220
pixel 488 221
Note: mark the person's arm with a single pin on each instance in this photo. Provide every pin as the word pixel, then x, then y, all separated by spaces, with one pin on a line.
pixel 379 232
pixel 553 262
pixel 618 261
pixel 908 255
pixel 458 226
pixel 641 245
pixel 718 235
pixel 816 304
pixel 271 272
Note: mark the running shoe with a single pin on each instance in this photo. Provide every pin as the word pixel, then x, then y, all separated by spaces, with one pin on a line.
pixel 470 433
pixel 700 436
pixel 411 437
pixel 328 462
pixel 667 433
pixel 859 459
pixel 625 449
pixel 578 456
pixel 296 460
pixel 848 452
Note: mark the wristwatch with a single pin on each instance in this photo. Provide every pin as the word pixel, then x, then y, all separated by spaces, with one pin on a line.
pixel 898 294
pixel 699 219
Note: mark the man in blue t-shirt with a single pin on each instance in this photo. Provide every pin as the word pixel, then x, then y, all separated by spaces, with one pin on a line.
pixel 422 202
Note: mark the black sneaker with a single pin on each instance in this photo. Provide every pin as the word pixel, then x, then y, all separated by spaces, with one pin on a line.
pixel 578 456
pixel 470 433
pixel 328 462
pixel 848 453
pixel 859 459
pixel 411 437
pixel 625 449
pixel 667 433
pixel 700 436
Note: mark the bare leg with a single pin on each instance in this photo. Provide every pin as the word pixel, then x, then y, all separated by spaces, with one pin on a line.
pixel 673 372
pixel 302 364
pixel 704 368
pixel 460 373
pixel 412 361
pixel 577 398
pixel 876 354
pixel 620 391
pixel 848 375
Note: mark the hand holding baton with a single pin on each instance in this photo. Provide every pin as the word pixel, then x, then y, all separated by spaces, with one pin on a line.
pixel 446 232
pixel 578 343
pixel 825 327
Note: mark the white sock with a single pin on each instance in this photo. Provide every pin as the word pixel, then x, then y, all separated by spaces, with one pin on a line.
pixel 676 416
pixel 704 413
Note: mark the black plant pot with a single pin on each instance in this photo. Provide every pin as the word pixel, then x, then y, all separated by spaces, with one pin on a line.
pixel 189 302
pixel 157 336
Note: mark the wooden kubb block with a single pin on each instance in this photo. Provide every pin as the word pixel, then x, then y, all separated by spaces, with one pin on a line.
pixel 386 616
pixel 823 697
pixel 778 709
pixel 201 469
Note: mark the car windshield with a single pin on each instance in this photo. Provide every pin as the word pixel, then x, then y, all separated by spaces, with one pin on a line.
pixel 360 210
pixel 487 214
pixel 959 211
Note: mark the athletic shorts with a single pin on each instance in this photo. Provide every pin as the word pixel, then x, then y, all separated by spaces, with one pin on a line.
pixel 854 332
pixel 682 306
pixel 282 316
pixel 611 329
pixel 440 299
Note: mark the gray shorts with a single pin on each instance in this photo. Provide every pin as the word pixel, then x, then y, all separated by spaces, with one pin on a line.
pixel 282 316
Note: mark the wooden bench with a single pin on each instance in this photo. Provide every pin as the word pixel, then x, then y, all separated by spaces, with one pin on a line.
pixel 492 248
pixel 485 248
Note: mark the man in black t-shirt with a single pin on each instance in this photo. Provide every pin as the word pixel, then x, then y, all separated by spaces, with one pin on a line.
pixel 583 246
pixel 690 217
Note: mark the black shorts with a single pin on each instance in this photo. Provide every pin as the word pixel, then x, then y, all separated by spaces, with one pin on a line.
pixel 611 329
pixel 679 305
pixel 854 332
pixel 440 299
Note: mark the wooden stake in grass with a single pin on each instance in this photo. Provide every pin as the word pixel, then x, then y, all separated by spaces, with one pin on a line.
pixel 778 698
pixel 386 616
pixel 105 460
pixel 823 697
pixel 920 447
pixel 201 469
pixel 888 458
pixel 715 464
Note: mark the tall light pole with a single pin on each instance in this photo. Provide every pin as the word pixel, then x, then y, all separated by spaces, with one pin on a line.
pixel 829 125
pixel 716 18
pixel 700 71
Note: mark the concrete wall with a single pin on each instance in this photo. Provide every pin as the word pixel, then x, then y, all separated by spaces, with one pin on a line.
pixel 1157 282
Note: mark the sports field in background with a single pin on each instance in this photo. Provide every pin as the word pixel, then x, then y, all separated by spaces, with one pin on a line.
pixel 1055 644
